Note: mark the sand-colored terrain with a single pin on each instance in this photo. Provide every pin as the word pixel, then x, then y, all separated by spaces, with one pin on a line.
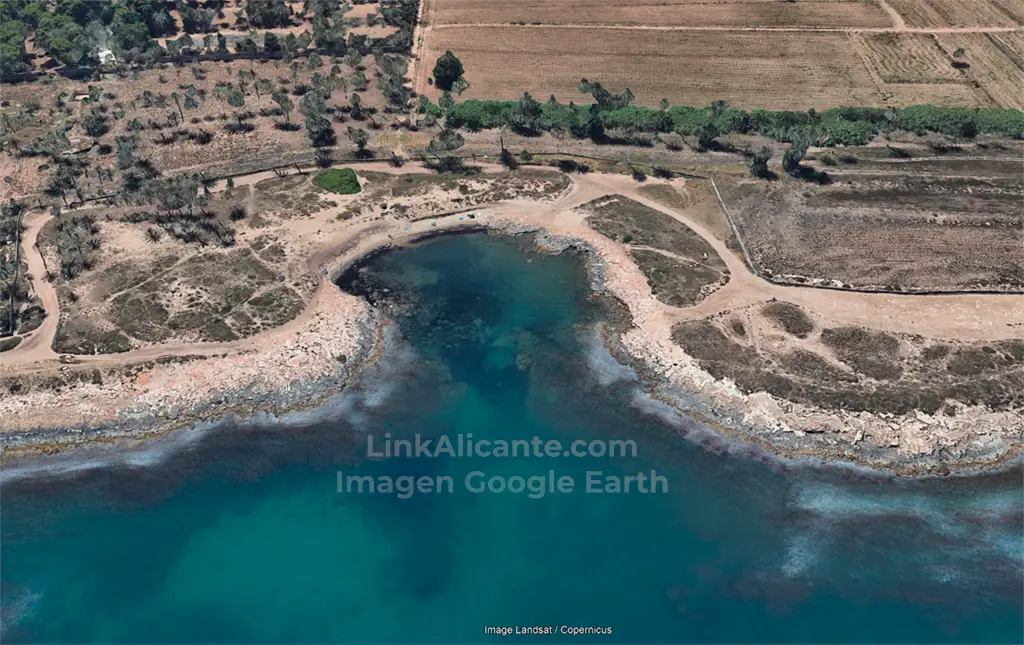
pixel 333 324
pixel 752 53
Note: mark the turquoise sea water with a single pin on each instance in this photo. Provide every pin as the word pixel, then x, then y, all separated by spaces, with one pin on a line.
pixel 243 536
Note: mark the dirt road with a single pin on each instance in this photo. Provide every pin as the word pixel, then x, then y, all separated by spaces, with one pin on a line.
pixel 797 29
pixel 36 346
pixel 964 317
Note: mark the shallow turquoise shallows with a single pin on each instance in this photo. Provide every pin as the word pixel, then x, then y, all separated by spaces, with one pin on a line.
pixel 243 537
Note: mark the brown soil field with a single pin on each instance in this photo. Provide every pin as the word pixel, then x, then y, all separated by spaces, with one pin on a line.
pixel 911 58
pixel 945 94
pixel 890 230
pixel 996 64
pixel 748 69
pixel 960 13
pixel 694 13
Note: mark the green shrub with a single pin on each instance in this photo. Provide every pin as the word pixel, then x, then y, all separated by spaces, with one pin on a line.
pixel 7 344
pixel 338 180
pixel 832 127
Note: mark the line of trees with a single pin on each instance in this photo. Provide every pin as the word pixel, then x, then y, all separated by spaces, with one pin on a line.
pixel 837 126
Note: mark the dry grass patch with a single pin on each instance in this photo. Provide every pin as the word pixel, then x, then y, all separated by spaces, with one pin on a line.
pixel 624 220
pixel 960 13
pixel 290 196
pixel 681 267
pixel 854 368
pixel 912 231
pixel 754 13
pixel 789 317
pixel 677 282
pixel 749 69
pixel 7 344
pixel 911 58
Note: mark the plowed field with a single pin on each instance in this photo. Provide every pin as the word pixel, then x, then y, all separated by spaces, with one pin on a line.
pixel 773 70
pixel 960 13
pixel 831 13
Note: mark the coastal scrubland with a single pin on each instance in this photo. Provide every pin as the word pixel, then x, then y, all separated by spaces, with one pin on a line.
pixel 681 267
pixel 419 195
pixel 162 198
pixel 130 278
pixel 891 219
pixel 786 351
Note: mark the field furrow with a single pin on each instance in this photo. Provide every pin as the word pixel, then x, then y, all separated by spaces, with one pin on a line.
pixel 846 13
pixel 749 69
pixel 997 73
pixel 911 58
pixel 960 13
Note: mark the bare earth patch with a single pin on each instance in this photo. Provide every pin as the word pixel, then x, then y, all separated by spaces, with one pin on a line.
pixel 892 229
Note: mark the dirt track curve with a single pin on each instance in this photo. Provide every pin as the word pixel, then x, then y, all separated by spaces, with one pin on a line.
pixel 965 317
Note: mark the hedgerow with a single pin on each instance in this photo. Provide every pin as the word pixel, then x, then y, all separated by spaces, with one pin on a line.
pixel 836 126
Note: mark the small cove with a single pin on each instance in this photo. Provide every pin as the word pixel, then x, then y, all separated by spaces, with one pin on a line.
pixel 242 536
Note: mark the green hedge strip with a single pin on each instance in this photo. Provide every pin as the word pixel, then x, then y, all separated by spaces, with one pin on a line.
pixel 836 126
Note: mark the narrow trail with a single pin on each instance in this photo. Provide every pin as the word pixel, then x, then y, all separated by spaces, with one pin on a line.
pixel 37 345
pixel 897 20
pixel 966 317
pixel 35 353
pixel 675 256
pixel 797 29
pixel 956 316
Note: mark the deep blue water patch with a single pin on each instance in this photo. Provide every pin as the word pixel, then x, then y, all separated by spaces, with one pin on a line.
pixel 243 537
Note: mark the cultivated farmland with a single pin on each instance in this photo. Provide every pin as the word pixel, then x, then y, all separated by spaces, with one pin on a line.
pixel 910 58
pixel 773 70
pixel 695 13
pixel 996 64
pixel 960 13
pixel 752 53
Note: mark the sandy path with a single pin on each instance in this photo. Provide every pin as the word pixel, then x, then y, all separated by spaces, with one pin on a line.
pixel 966 317
pixel 419 46
pixel 897 20
pixel 35 353
pixel 36 346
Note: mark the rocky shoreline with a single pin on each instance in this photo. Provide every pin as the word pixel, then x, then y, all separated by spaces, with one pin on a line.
pixel 299 369
pixel 976 440
pixel 148 401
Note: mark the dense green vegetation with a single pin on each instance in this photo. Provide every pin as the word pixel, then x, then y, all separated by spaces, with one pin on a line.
pixel 7 344
pixel 75 32
pixel 837 126
pixel 338 180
